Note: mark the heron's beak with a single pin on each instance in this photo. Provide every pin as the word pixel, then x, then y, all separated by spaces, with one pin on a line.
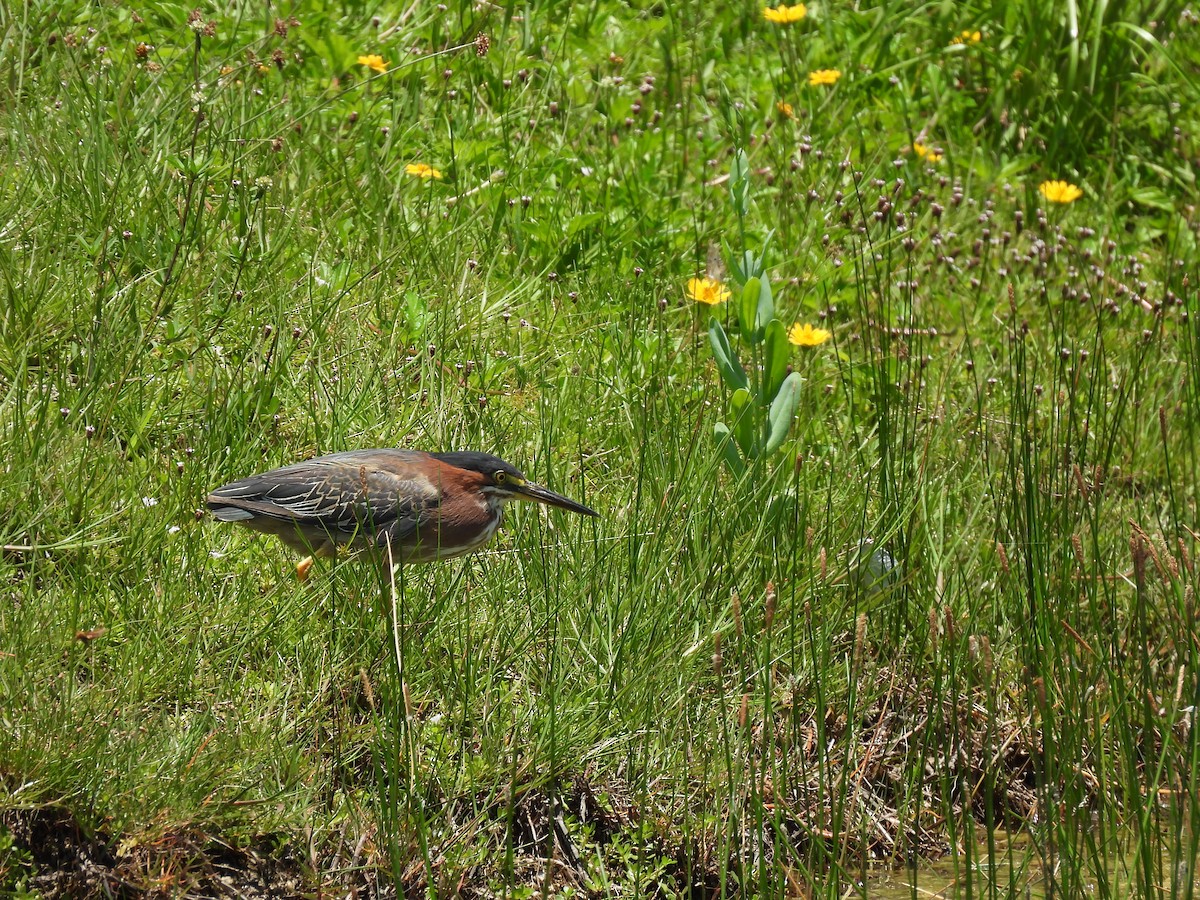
pixel 528 491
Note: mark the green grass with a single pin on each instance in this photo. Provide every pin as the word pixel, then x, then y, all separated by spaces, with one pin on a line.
pixel 213 262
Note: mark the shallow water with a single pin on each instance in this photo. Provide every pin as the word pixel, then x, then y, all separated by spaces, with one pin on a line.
pixel 1016 871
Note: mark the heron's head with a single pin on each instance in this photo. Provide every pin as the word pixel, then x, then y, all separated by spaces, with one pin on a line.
pixel 503 481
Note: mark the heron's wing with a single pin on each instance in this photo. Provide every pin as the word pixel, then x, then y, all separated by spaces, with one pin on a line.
pixel 341 494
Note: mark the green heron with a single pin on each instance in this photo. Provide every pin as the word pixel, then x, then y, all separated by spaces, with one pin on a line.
pixel 427 506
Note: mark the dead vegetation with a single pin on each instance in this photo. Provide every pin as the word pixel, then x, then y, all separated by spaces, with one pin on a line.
pixel 879 789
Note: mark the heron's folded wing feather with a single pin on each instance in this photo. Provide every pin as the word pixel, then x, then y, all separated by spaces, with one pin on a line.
pixel 341 493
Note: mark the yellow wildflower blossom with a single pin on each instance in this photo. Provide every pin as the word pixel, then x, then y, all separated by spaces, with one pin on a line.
pixel 422 171
pixel 1060 191
pixel 824 76
pixel 807 336
pixel 374 62
pixel 784 14
pixel 708 291
pixel 967 37
pixel 785 109
pixel 926 153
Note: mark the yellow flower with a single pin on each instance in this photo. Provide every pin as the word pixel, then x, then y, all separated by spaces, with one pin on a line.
pixel 422 171
pixel 785 109
pixel 807 336
pixel 708 291
pixel 263 69
pixel 824 76
pixel 784 14
pixel 967 37
pixel 1060 191
pixel 226 70
pixel 926 153
pixel 374 62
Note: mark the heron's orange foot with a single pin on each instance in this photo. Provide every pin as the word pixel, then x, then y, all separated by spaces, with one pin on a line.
pixel 303 568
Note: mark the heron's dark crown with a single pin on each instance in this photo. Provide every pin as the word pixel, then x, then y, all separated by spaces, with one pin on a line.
pixel 484 463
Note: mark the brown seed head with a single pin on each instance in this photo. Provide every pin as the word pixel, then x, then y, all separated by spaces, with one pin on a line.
pixel 979 648
pixel 1080 482
pixel 368 690
pixel 1170 562
pixel 1139 554
pixel 860 639
pixel 1077 546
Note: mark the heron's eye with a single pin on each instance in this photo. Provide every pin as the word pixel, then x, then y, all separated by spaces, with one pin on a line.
pixel 500 477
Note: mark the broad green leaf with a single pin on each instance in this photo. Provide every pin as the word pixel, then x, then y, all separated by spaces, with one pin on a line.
pixel 1152 197
pixel 736 268
pixel 343 52
pixel 317 45
pixel 729 449
pixel 744 430
pixel 727 362
pixel 766 246
pixel 331 47
pixel 416 313
pixel 745 265
pixel 766 307
pixel 783 410
pixel 739 183
pixel 739 169
pixel 735 263
pixel 752 265
pixel 748 309
pixel 775 360
pixel 581 222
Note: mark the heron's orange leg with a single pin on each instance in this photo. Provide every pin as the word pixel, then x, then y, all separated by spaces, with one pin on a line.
pixel 303 568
